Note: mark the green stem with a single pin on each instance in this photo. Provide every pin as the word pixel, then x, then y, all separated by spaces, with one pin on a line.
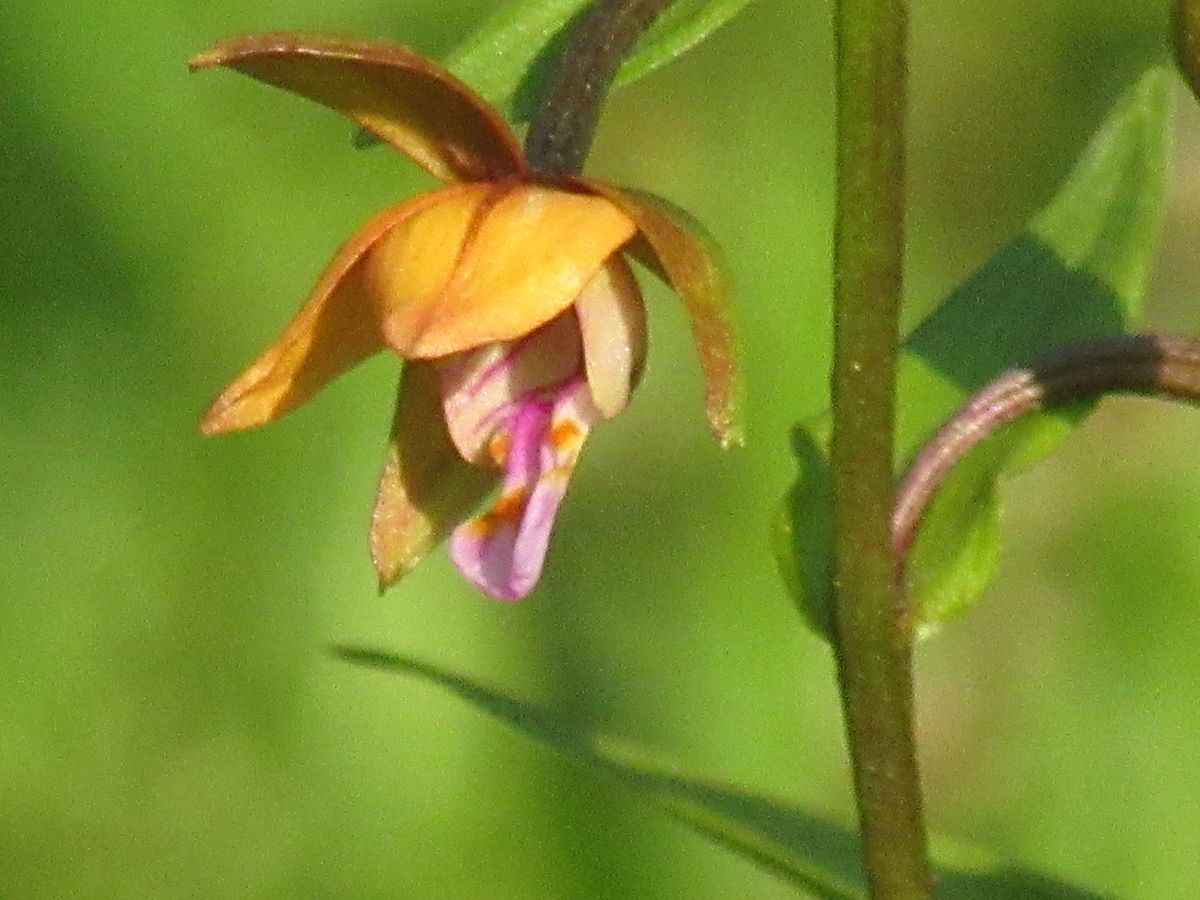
pixel 873 643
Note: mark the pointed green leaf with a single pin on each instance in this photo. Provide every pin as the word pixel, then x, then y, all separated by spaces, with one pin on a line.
pixel 683 25
pixel 506 58
pixel 1078 271
pixel 817 856
pixel 803 526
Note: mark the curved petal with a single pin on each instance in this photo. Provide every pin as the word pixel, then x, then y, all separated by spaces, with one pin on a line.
pixel 688 259
pixel 426 488
pixel 404 98
pixel 502 551
pixel 411 266
pixel 528 254
pixel 336 328
pixel 612 321
pixel 479 387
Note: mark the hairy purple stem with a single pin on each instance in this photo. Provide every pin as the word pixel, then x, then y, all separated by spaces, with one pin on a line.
pixel 560 134
pixel 1149 365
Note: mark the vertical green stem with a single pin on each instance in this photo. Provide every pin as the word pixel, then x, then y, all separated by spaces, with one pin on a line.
pixel 873 644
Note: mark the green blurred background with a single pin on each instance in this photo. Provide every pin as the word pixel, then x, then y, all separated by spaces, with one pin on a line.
pixel 171 724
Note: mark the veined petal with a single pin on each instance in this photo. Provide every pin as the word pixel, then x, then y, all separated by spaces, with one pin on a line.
pixel 502 551
pixel 612 320
pixel 336 328
pixel 688 260
pixel 528 254
pixel 426 488
pixel 480 386
pixel 404 98
pixel 411 266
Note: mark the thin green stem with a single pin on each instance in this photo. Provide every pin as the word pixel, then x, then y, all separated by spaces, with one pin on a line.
pixel 873 643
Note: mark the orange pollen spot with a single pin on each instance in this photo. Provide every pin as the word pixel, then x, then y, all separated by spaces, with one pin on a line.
pixel 498 448
pixel 511 505
pixel 565 433
pixel 508 509
pixel 560 473
pixel 481 528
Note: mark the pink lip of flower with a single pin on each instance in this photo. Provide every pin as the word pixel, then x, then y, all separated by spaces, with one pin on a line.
pixel 508 295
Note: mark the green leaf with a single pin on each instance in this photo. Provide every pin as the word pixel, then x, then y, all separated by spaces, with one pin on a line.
pixel 803 526
pixel 684 25
pixel 815 855
pixel 507 57
pixel 1078 271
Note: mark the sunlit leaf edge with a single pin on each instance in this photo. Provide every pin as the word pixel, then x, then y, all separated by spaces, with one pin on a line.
pixel 966 873
pixel 507 56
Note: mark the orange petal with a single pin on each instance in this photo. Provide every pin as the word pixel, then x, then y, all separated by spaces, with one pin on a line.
pixel 690 262
pixel 404 98
pixel 525 256
pixel 410 267
pixel 337 328
pixel 427 488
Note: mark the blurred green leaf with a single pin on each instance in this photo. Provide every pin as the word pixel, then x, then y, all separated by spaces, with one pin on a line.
pixel 507 57
pixel 803 524
pixel 823 860
pixel 1078 271
pixel 815 855
pixel 684 25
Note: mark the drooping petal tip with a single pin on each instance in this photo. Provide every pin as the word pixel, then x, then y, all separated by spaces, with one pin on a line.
pixel 405 99
pixel 338 327
pixel 612 324
pixel 681 252
pixel 728 427
pixel 426 488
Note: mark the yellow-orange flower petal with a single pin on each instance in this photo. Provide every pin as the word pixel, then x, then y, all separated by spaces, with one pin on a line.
pixel 410 268
pixel 681 251
pixel 525 255
pixel 426 488
pixel 404 98
pixel 337 328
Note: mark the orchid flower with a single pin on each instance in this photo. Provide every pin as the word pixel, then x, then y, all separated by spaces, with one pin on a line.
pixel 507 295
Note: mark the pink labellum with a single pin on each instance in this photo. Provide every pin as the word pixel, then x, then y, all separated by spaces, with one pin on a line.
pixel 503 550
pixel 479 387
